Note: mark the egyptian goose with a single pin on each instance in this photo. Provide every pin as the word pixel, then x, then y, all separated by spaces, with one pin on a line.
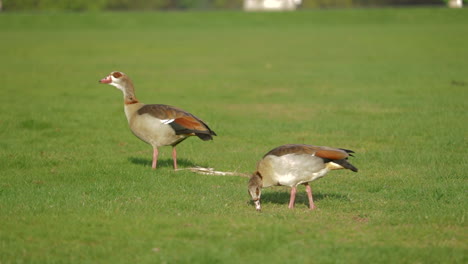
pixel 293 164
pixel 157 124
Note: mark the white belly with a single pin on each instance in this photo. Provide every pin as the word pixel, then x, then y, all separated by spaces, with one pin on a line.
pixel 291 169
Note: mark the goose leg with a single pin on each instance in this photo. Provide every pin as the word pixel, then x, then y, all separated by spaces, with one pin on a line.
pixel 309 195
pixel 174 157
pixel 155 158
pixel 292 198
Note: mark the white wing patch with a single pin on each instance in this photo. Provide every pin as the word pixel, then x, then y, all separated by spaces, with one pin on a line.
pixel 334 166
pixel 167 121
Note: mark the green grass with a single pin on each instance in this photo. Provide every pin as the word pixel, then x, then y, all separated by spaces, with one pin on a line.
pixel 77 187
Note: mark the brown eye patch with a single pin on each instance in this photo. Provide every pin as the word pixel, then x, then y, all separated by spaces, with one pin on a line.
pixel 117 74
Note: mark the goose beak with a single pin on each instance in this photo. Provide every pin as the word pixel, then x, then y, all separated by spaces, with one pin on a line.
pixel 257 205
pixel 108 79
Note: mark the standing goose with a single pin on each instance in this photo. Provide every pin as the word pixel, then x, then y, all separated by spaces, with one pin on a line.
pixel 293 164
pixel 157 124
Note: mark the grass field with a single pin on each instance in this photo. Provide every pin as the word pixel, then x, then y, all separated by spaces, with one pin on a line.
pixel 391 84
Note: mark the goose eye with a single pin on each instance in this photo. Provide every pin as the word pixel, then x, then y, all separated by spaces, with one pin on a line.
pixel 117 74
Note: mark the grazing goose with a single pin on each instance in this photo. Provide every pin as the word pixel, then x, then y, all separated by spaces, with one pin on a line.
pixel 293 164
pixel 157 124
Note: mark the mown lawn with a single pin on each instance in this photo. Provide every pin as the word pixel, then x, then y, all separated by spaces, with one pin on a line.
pixel 391 84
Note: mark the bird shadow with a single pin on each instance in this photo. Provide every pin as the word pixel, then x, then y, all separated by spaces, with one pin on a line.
pixel 161 162
pixel 282 197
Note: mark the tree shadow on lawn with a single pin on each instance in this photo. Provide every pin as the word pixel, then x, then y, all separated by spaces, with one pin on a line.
pixel 181 163
pixel 282 197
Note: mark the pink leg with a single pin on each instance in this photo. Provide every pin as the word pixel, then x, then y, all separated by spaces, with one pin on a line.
pixel 174 157
pixel 309 195
pixel 155 158
pixel 292 198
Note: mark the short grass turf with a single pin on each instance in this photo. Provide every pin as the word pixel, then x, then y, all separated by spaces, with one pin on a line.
pixel 391 84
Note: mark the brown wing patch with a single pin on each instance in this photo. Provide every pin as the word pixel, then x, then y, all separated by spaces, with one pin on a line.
pixel 191 123
pixel 331 154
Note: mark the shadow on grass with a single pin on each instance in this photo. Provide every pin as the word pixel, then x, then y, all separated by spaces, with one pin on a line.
pixel 182 163
pixel 301 197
